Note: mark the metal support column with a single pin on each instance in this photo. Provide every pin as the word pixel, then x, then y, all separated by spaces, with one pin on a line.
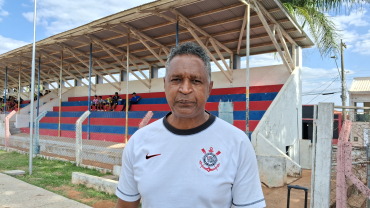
pixel 19 88
pixel 38 88
pixel 88 103
pixel 127 85
pixel 247 71
pixel 32 90
pixel 60 93
pixel 6 85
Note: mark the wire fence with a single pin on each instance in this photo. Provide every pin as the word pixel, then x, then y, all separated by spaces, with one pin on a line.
pixel 99 144
pixel 355 161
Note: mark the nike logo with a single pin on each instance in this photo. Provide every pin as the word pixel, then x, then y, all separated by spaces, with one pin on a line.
pixel 149 156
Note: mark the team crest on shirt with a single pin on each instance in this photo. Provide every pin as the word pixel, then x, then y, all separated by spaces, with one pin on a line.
pixel 209 161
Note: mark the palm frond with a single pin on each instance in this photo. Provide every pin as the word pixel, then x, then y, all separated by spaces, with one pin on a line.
pixel 320 25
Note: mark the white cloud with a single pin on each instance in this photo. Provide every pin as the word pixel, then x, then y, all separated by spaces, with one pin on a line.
pixel 7 44
pixel 59 16
pixel 356 42
pixel 3 13
pixel 355 18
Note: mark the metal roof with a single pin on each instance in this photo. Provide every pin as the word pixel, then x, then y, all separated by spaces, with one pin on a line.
pixel 152 23
pixel 360 84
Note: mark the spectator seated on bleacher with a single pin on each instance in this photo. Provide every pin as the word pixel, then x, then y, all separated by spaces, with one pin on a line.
pixel 101 104
pixel 134 100
pixel 94 102
pixel 108 103
pixel 116 97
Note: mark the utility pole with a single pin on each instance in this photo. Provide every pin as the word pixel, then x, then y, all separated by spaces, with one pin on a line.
pixel 343 96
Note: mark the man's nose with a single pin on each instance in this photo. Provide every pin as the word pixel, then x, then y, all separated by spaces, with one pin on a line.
pixel 186 87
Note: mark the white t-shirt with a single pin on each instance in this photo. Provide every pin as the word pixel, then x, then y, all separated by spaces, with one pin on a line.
pixel 213 165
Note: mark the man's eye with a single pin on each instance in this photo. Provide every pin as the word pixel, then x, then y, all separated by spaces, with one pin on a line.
pixel 175 80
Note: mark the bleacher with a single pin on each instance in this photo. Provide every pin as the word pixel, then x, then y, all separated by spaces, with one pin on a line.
pixel 110 126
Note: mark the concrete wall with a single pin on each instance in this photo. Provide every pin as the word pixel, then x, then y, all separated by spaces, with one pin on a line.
pixel 267 75
pixel 23 119
pixel 43 99
pixel 272 170
pixel 281 124
pixel 358 131
pixel 305 151
pixel 265 147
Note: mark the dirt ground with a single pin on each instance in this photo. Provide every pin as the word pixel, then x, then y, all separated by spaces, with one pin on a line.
pixel 277 197
pixel 76 195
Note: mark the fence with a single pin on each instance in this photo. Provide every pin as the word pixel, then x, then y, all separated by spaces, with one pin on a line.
pixel 102 150
pixel 350 166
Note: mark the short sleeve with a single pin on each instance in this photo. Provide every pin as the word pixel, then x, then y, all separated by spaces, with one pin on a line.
pixel 247 190
pixel 127 186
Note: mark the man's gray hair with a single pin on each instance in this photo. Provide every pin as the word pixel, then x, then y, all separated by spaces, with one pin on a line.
pixel 193 49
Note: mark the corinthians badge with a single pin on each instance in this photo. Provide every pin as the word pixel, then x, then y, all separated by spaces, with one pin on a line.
pixel 209 161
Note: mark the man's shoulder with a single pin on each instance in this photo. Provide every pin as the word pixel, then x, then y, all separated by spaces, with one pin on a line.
pixel 225 129
pixel 148 131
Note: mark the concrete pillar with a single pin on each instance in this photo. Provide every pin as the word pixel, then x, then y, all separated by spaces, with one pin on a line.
pixel 299 56
pixel 236 62
pixel 123 76
pixel 78 82
pixel 98 80
pixel 154 72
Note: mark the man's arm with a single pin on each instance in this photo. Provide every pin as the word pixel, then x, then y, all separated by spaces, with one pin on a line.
pixel 125 204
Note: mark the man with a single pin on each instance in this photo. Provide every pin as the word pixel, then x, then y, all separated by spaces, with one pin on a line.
pixel 134 100
pixel 189 158
pixel 115 101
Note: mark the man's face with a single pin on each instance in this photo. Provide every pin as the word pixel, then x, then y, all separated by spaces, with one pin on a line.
pixel 186 86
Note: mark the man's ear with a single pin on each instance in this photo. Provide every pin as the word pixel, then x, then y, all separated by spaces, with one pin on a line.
pixel 210 87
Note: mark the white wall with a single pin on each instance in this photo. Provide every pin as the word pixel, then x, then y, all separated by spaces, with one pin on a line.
pixel 281 124
pixel 267 75
pixel 305 154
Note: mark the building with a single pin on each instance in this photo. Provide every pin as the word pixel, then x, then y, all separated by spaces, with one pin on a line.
pixel 359 96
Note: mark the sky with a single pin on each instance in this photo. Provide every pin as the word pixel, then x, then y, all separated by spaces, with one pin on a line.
pixel 319 75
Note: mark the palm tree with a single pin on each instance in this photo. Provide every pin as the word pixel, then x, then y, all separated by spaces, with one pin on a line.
pixel 313 15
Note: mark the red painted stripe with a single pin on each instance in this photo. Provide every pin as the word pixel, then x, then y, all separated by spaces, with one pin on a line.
pixel 220 91
pixel 242 126
pixel 238 106
pixel 72 134
pixel 97 121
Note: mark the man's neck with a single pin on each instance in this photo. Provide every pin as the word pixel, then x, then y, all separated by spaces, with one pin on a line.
pixel 187 123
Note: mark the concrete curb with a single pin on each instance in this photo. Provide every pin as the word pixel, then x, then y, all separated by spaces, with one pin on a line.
pixel 100 184
pixel 101 170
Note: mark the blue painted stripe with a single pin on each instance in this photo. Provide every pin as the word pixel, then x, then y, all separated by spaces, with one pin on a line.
pixel 238 115
pixel 213 98
pixel 23 105
pixel 114 114
pixel 93 128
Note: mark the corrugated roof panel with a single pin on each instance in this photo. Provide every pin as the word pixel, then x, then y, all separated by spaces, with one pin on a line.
pixel 360 84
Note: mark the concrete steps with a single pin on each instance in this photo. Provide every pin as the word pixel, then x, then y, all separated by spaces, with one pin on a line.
pixel 13 129
pixel 89 152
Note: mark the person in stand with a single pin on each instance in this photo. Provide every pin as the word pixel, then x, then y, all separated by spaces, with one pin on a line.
pixel 115 100
pixel 108 103
pixel 101 104
pixel 134 100
pixel 189 158
pixel 94 102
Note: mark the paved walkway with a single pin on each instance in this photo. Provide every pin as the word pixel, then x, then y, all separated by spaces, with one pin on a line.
pixel 15 193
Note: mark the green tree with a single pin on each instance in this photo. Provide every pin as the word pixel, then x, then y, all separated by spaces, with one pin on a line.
pixel 313 14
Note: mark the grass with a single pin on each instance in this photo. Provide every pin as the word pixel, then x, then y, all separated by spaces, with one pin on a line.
pixel 56 176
